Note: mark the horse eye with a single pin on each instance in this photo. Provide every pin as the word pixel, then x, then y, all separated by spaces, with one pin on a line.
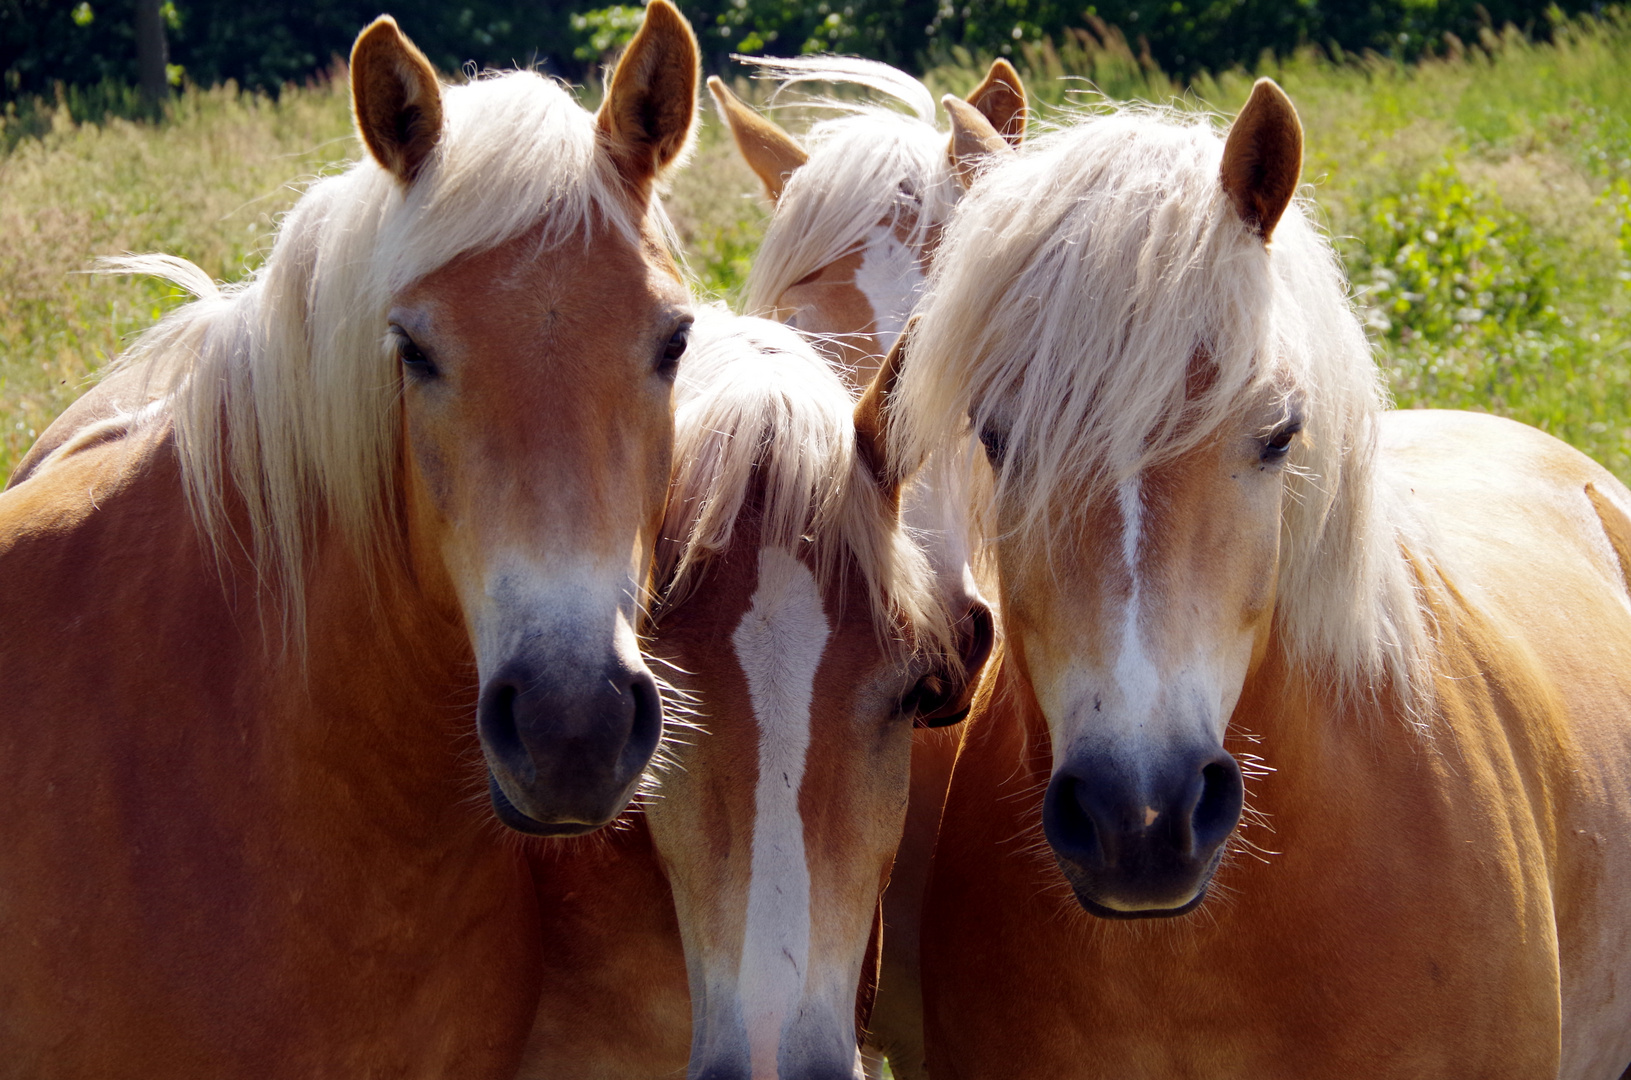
pixel 675 349
pixel 411 355
pixel 1279 443
pixel 995 443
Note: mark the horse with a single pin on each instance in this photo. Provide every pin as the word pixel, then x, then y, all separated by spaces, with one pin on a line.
pixel 1220 561
pixel 860 203
pixel 343 556
pixel 727 923
pixel 858 216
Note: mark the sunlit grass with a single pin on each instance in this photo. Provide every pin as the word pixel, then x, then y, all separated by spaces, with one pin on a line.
pixel 1482 202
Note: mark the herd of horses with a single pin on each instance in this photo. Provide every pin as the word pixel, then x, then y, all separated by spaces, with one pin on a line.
pixel 454 652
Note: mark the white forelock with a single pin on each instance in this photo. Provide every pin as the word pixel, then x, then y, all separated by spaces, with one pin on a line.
pixel 1074 291
pixel 757 409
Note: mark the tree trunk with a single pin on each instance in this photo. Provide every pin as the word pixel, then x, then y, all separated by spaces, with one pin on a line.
pixel 151 54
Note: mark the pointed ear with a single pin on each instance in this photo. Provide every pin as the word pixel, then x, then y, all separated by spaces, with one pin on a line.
pixel 1001 100
pixel 872 417
pixel 651 100
pixel 975 143
pixel 395 99
pixel 1263 158
pixel 770 152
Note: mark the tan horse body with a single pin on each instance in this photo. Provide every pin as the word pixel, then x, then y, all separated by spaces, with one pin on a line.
pixel 1409 631
pixel 728 922
pixel 1467 924
pixel 245 827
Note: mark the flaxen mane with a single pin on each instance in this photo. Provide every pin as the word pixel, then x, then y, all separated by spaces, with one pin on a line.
pixel 760 412
pixel 869 165
pixel 282 388
pixel 1075 290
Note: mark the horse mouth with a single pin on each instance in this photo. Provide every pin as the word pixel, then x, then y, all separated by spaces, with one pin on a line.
pixel 1093 907
pixel 506 812
pixel 1102 895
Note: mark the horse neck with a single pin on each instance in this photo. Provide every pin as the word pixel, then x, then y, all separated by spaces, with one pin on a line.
pixel 387 662
pixel 374 688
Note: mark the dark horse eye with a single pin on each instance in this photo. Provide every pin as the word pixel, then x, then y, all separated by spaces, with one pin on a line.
pixel 413 358
pixel 1279 444
pixel 995 443
pixel 670 360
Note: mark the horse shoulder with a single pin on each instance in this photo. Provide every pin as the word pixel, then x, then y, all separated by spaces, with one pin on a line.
pixel 93 417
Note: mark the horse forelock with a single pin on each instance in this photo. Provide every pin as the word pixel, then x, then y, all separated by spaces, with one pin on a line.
pixel 1074 293
pixel 871 166
pixel 759 412
pixel 283 388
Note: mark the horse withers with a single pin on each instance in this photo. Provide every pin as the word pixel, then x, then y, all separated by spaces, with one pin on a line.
pixel 361 555
pixel 1307 754
pixel 728 923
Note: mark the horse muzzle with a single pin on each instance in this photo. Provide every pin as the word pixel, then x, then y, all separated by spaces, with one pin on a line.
pixel 565 750
pixel 1139 841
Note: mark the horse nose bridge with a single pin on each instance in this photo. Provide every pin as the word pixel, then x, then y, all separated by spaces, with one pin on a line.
pixel 763 1017
pixel 813 1041
pixel 555 607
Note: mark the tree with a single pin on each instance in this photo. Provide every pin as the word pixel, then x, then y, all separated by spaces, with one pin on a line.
pixel 152 57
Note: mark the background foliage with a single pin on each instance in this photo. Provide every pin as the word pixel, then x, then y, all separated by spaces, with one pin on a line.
pixel 263 45
pixel 1480 198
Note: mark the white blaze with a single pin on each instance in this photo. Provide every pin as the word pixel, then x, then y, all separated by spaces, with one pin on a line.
pixel 779 644
pixel 890 279
pixel 1136 674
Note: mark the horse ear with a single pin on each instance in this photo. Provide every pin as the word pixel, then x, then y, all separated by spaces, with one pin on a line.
pixel 1001 100
pixel 651 100
pixel 975 143
pixel 395 99
pixel 1263 158
pixel 872 417
pixel 770 152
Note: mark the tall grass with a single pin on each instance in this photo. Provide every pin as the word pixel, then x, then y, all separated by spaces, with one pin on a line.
pixel 1482 201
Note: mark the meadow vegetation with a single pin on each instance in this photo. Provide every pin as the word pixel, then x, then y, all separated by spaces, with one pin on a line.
pixel 1481 200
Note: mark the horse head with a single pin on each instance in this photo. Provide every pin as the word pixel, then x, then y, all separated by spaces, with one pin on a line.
pixel 1118 322
pixel 536 371
pixel 803 623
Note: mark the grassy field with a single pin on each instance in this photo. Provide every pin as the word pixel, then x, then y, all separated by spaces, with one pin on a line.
pixel 1482 202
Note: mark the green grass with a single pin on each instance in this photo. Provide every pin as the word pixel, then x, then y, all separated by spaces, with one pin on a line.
pixel 1482 202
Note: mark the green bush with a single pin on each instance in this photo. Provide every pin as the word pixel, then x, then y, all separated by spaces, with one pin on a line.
pixel 1449 264
pixel 1464 297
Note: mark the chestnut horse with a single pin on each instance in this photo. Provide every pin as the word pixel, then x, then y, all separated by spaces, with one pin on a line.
pixel 1219 556
pixel 857 219
pixel 264 590
pixel 860 202
pixel 729 921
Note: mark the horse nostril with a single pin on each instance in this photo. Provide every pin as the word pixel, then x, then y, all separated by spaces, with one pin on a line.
pixel 1218 809
pixel 646 723
pixel 1070 819
pixel 495 719
pixel 977 632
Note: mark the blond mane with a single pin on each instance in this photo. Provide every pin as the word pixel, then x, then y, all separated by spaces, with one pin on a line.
pixel 1072 292
pixel 761 416
pixel 281 389
pixel 868 166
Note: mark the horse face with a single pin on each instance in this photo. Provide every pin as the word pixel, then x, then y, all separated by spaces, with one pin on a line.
pixel 537 417
pixel 778 826
pixel 1137 633
pixel 537 412
pixel 856 306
